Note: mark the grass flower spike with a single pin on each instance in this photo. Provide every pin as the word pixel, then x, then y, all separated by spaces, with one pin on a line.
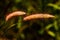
pixel 38 16
pixel 16 13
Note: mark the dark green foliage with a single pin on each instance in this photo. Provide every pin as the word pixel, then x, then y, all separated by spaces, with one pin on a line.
pixel 40 29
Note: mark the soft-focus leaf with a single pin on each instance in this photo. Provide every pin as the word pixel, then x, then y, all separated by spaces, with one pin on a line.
pixel 51 33
pixel 48 26
pixel 41 32
pixel 17 1
pixel 11 26
pixel 56 25
pixel 54 6
pixel 22 35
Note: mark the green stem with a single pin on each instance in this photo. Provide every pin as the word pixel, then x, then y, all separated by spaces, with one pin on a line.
pixel 19 22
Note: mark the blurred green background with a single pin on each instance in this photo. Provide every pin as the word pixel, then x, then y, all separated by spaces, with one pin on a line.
pixel 17 29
